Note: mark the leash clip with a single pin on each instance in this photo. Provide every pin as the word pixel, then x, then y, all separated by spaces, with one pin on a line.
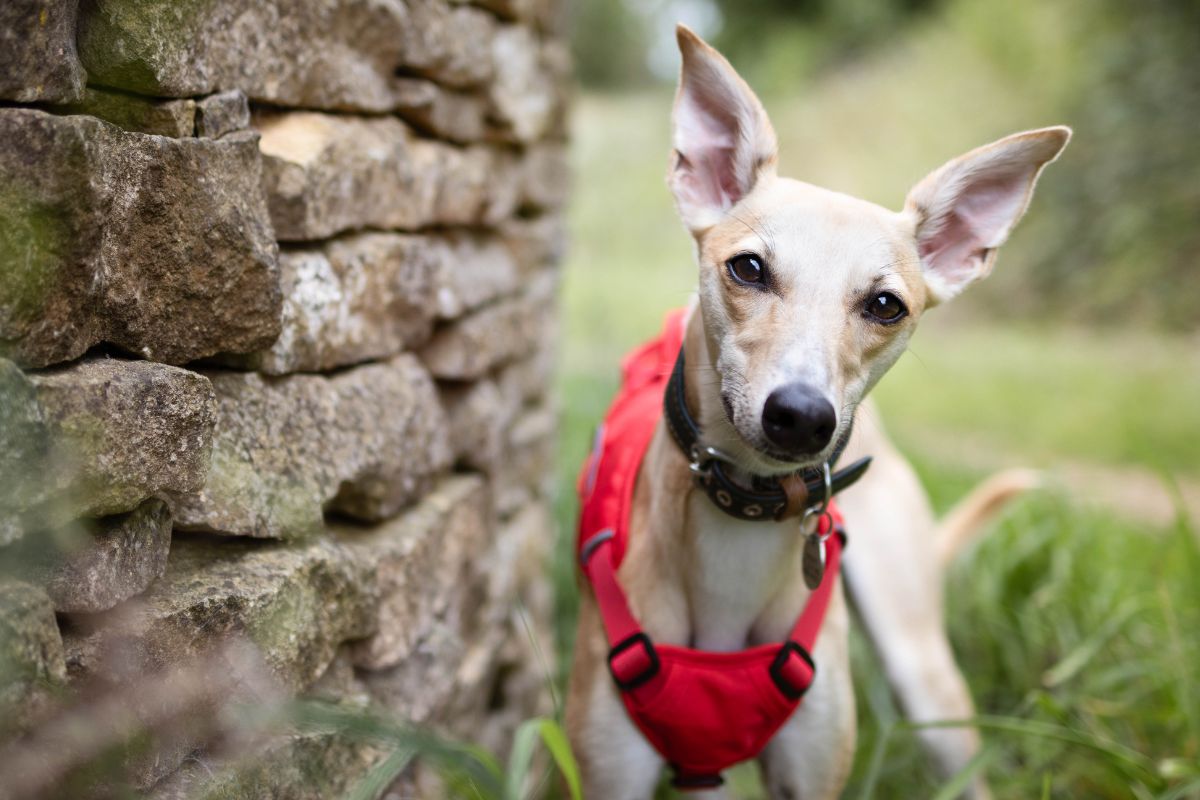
pixel 702 459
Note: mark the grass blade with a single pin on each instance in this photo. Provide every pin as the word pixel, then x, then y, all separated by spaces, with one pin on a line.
pixel 381 776
pixel 521 757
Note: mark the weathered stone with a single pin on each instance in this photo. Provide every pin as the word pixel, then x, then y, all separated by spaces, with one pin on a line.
pixel 24 451
pixel 422 562
pixel 99 437
pixel 521 601
pixel 545 177
pixel 320 55
pixel 325 174
pixel 448 43
pixel 523 95
pixel 495 334
pixel 309 766
pixel 364 442
pixel 445 113
pixel 222 113
pixel 295 603
pixel 360 297
pixel 175 118
pixel 535 242
pixel 38 62
pixel 468 652
pixel 160 246
pixel 528 461
pixel 531 379
pixel 506 9
pixel 478 415
pixel 473 270
pixel 31 654
pixel 117 558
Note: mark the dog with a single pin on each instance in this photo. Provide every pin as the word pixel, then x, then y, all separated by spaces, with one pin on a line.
pixel 806 298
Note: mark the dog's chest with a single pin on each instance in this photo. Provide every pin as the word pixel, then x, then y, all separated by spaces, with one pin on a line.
pixel 739 570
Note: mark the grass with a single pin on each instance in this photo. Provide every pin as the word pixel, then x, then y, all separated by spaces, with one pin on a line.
pixel 1075 628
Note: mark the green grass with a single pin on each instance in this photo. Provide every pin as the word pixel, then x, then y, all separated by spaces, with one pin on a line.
pixel 1076 629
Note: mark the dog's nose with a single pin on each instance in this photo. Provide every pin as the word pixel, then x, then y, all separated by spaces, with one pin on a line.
pixel 798 419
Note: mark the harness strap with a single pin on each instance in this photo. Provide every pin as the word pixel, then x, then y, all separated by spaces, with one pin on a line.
pixel 632 659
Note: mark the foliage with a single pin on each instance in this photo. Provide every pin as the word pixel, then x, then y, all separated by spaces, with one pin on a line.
pixel 466 770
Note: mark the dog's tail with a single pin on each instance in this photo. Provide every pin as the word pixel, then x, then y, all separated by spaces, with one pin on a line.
pixel 967 519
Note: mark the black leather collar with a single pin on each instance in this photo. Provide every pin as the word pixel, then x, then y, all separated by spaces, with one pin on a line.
pixel 767 499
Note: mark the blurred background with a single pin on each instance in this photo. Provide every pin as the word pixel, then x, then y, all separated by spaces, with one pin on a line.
pixel 1074 618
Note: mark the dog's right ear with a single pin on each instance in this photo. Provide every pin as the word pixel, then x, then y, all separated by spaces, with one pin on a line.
pixel 723 140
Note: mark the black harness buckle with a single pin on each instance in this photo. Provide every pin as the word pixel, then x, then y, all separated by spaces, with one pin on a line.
pixel 631 682
pixel 778 672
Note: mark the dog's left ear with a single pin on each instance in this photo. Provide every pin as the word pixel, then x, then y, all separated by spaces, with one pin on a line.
pixel 723 140
pixel 966 209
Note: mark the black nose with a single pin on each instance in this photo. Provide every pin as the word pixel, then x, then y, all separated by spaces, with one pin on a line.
pixel 797 419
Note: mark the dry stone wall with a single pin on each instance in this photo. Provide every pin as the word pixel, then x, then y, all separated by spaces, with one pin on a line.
pixel 277 285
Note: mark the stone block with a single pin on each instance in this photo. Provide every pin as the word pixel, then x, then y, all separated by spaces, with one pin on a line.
pixel 472 270
pixel 448 114
pixel 98 437
pixel 38 62
pixel 535 242
pixel 424 562
pixel 175 118
pixel 528 461
pixel 296 603
pixel 343 55
pixel 448 43
pixel 159 246
pixel 325 174
pixel 222 113
pixel 524 95
pixel 471 652
pixel 545 177
pixel 307 766
pixel 353 299
pixel 364 442
pixel 111 559
pixel 32 664
pixel 478 415
pixel 504 331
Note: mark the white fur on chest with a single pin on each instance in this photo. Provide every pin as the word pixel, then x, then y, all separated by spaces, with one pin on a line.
pixel 739 569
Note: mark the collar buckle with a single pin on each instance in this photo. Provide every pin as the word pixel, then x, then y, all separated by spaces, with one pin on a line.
pixel 702 457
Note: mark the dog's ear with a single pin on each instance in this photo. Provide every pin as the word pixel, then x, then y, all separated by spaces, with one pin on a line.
pixel 965 209
pixel 723 140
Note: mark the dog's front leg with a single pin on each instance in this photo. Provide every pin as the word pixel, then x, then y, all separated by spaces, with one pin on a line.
pixel 615 760
pixel 811 755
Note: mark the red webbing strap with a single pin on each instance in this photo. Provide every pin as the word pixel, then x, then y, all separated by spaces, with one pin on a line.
pixel 619 622
pixel 804 632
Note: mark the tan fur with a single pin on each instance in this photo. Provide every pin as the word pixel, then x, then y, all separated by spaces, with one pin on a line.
pixel 695 576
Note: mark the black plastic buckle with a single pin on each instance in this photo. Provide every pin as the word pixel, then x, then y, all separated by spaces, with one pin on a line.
pixel 637 680
pixel 789 691
pixel 692 782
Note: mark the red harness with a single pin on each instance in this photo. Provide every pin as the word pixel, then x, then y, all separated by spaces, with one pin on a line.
pixel 702 711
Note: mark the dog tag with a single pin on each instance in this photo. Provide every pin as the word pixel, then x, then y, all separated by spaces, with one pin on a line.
pixel 813 565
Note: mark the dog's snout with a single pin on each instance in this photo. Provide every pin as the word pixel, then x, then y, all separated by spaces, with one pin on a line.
pixel 798 419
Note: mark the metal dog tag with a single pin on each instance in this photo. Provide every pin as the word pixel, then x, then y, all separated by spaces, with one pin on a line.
pixel 813 565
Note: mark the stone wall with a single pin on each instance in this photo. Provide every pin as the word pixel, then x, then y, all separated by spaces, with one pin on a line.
pixel 277 284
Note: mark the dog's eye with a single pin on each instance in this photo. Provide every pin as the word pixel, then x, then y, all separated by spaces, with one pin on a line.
pixel 747 268
pixel 885 307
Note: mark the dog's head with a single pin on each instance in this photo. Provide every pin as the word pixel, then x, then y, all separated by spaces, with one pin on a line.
pixel 809 296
